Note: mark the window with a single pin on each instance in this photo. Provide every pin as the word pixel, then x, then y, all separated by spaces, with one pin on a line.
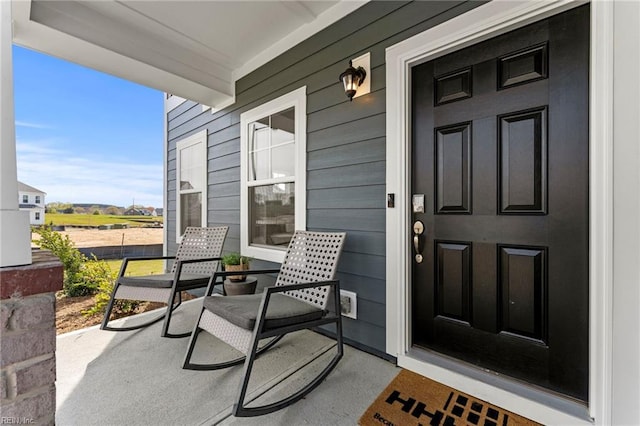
pixel 37 215
pixel 273 172
pixel 191 182
pixel 25 199
pixel 37 199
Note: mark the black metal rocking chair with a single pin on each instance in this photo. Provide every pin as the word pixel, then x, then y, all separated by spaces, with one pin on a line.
pixel 195 263
pixel 297 301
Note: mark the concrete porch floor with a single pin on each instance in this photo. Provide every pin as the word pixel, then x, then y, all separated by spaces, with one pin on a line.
pixel 135 378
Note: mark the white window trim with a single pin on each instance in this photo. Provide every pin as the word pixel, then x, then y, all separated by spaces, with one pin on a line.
pixel 198 138
pixel 480 24
pixel 298 100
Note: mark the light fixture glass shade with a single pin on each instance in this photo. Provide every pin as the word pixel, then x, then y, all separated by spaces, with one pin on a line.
pixel 352 79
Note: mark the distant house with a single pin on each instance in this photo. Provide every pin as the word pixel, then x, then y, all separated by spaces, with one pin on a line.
pixel 32 200
pixel 134 211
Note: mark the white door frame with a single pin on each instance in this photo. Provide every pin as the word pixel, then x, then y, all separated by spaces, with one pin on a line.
pixel 482 23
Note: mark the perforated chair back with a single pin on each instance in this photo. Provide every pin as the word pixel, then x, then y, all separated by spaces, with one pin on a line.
pixel 311 257
pixel 200 243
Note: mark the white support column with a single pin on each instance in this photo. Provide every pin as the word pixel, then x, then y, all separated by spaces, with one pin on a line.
pixel 15 231
pixel 625 334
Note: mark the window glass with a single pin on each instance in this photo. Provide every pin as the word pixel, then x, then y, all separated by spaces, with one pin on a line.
pixel 37 199
pixel 191 176
pixel 259 167
pixel 272 153
pixel 190 210
pixel 283 161
pixel 190 168
pixel 259 134
pixel 272 146
pixel 25 198
pixel 272 214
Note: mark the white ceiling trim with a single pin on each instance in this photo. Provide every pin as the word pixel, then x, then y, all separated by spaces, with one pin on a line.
pixel 156 47
pixel 44 39
pixel 334 14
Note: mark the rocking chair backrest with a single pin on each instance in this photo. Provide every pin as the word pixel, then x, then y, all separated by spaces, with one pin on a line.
pixel 311 257
pixel 199 243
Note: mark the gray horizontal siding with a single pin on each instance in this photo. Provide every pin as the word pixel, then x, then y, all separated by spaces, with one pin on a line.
pixel 359 197
pixel 349 132
pixel 354 175
pixel 345 145
pixel 367 151
pixel 181 109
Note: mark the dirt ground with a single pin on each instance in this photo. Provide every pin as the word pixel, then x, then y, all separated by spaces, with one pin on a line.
pixel 69 315
pixel 112 237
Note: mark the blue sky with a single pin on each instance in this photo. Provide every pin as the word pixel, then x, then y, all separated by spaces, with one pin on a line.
pixel 86 137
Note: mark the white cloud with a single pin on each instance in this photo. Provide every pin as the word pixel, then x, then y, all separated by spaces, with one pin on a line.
pixel 68 178
pixel 32 125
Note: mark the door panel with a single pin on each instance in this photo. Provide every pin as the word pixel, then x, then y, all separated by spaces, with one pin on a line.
pixel 500 151
pixel 453 169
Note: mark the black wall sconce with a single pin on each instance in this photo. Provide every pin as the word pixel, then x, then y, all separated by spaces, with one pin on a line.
pixel 352 78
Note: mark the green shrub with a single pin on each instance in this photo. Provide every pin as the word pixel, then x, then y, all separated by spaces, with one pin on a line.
pixel 71 258
pixel 95 274
pixel 102 300
pixel 82 276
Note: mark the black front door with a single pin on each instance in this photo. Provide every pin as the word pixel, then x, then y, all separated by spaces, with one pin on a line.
pixel 500 153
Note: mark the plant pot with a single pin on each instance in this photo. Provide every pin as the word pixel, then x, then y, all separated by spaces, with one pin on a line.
pixel 242 287
pixel 236 278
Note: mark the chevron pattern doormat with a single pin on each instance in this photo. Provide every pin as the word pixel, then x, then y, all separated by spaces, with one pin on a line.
pixel 412 400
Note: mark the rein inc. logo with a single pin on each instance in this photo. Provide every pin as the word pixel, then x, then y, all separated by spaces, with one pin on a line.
pixel 17 421
pixel 458 410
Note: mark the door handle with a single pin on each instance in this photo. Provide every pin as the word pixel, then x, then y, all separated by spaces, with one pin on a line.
pixel 418 230
pixel 416 244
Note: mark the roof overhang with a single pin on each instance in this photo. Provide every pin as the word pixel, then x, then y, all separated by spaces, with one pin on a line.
pixel 194 49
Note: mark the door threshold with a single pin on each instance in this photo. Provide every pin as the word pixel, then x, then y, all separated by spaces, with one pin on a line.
pixel 521 390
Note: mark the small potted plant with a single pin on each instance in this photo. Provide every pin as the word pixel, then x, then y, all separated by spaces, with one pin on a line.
pixel 236 284
pixel 235 262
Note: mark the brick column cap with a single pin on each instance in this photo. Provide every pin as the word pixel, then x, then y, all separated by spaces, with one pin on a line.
pixel 44 275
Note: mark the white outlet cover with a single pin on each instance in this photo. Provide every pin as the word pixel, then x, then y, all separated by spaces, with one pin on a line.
pixel 354 303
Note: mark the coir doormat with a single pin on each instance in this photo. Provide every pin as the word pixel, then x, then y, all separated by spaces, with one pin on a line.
pixel 412 400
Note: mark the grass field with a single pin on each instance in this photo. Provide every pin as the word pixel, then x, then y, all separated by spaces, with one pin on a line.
pixel 97 220
pixel 146 267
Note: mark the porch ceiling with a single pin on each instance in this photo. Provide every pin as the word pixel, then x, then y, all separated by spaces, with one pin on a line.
pixel 193 49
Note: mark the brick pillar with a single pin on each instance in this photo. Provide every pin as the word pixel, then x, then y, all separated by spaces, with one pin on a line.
pixel 28 340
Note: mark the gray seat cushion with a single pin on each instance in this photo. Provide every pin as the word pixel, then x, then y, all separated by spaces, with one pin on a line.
pixel 243 310
pixel 165 280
